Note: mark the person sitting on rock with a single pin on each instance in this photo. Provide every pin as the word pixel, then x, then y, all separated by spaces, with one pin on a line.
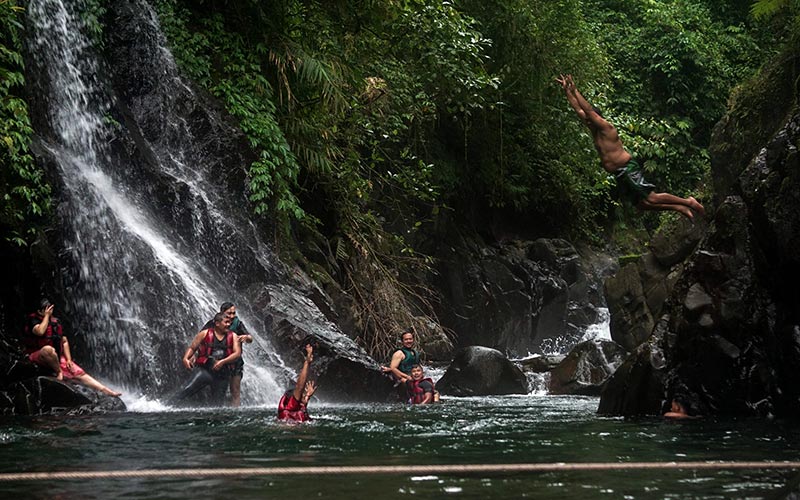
pixel 217 351
pixel 403 359
pixel 619 162
pixel 293 406
pixel 242 336
pixel 46 345
pixel 421 390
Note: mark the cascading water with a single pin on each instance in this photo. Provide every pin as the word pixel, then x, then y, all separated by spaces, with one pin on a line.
pixel 150 239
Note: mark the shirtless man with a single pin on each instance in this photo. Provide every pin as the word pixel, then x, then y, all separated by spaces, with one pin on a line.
pixel 618 162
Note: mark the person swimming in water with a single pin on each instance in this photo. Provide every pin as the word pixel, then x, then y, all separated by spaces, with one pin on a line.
pixel 620 163
pixel 421 390
pixel 293 406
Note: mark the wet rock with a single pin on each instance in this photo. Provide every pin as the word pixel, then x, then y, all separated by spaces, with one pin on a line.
pixel 519 297
pixel 638 385
pixel 586 368
pixel 46 395
pixel 480 371
pixel 631 320
pixel 696 298
pixel 540 363
pixel 343 369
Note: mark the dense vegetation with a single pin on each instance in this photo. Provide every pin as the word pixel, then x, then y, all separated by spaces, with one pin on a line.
pixel 24 192
pixel 370 120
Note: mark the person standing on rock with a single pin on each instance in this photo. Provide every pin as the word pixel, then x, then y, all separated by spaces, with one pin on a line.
pixel 242 337
pixel 46 345
pixel 403 359
pixel 293 406
pixel 620 163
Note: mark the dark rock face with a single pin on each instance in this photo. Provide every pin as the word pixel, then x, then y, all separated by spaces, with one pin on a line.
pixel 731 334
pixel 637 293
pixel 637 387
pixel 586 368
pixel 520 297
pixel 480 371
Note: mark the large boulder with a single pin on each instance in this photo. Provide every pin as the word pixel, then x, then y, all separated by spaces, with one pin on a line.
pixel 586 368
pixel 344 370
pixel 481 371
pixel 46 395
pixel 637 293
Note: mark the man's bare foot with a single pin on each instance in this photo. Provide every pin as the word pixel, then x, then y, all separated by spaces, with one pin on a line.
pixel 111 392
pixel 696 206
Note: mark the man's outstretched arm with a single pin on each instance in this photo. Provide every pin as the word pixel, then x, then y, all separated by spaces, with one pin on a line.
pixel 571 99
pixel 588 111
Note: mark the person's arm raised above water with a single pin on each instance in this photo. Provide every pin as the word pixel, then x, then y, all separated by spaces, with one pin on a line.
pixel 301 379
pixel 188 357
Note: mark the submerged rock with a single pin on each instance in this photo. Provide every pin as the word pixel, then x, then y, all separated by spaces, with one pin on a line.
pixel 481 371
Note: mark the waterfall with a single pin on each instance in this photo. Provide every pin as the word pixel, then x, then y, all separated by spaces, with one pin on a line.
pixel 152 242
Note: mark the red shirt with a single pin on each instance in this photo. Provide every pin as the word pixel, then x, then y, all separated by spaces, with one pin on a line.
pixel 289 408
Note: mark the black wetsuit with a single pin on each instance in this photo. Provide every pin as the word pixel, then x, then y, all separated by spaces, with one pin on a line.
pixel 203 376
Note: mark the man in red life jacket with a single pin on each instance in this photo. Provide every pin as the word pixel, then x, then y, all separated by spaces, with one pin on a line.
pixel 46 345
pixel 421 390
pixel 292 406
pixel 243 336
pixel 217 350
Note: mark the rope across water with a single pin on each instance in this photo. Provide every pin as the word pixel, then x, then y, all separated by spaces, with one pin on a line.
pixel 396 469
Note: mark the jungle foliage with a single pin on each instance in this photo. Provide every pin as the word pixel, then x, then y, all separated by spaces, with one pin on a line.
pixel 370 118
pixel 24 191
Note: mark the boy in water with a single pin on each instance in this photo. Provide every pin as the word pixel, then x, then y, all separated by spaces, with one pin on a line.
pixel 421 390
pixel 618 162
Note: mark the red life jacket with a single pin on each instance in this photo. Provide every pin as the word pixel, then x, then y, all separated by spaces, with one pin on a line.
pixel 417 393
pixel 52 336
pixel 207 345
pixel 290 408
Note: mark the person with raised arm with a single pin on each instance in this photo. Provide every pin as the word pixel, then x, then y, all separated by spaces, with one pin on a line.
pixel 293 406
